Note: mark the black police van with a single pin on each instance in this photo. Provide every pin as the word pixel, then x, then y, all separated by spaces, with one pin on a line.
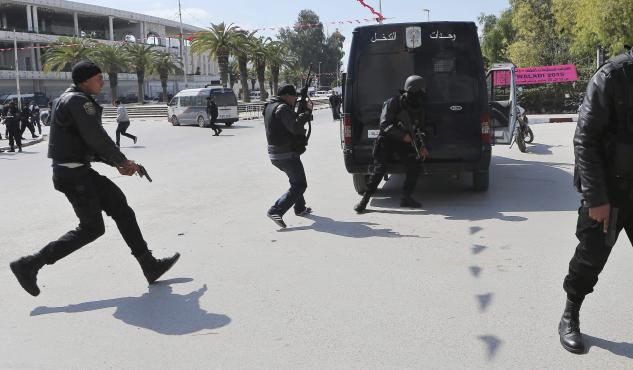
pixel 448 56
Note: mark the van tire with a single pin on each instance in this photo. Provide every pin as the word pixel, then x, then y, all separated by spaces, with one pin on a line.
pixel 481 180
pixel 201 122
pixel 174 121
pixel 360 182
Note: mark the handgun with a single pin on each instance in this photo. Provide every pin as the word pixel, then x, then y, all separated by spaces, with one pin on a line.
pixel 143 172
pixel 612 231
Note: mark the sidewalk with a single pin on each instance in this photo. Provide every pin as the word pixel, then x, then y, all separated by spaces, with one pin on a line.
pixel 4 143
pixel 551 118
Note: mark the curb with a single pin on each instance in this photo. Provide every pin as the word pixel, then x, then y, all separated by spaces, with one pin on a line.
pixel 552 120
pixel 29 143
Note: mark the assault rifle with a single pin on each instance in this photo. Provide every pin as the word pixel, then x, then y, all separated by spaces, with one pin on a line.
pixel 302 107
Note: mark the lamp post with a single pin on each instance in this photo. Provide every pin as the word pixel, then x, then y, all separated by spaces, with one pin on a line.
pixel 319 79
pixel 428 14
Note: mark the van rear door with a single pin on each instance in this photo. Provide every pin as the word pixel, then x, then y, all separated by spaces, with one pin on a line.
pixel 448 56
pixel 501 87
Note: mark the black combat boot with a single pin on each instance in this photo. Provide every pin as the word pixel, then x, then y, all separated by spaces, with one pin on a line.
pixel 409 202
pixel 155 268
pixel 25 270
pixel 569 328
pixel 362 205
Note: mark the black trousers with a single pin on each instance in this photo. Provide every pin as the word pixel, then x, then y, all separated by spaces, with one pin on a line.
pixel 386 150
pixel 592 252
pixel 15 136
pixel 214 127
pixel 35 120
pixel 27 124
pixel 121 130
pixel 90 194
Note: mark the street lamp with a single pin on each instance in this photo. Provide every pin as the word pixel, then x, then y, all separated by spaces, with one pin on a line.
pixel 428 14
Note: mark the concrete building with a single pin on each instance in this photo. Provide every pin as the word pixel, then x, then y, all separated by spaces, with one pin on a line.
pixel 38 23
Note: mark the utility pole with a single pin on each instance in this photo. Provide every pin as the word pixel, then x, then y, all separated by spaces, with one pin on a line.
pixel 319 79
pixel 17 69
pixel 428 14
pixel 183 51
pixel 380 9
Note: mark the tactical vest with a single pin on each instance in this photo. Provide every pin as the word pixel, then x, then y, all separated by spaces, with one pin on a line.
pixel 276 133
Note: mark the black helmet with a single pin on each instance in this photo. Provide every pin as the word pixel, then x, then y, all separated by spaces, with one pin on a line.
pixel 414 84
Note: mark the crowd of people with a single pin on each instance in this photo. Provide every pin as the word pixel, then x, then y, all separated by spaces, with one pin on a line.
pixel 17 120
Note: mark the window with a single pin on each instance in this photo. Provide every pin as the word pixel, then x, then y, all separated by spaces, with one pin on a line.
pixel 173 102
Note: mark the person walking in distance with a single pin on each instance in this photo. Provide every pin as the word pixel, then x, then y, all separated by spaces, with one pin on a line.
pixel 603 174
pixel 286 139
pixel 35 116
pixel 77 138
pixel 123 123
pixel 212 112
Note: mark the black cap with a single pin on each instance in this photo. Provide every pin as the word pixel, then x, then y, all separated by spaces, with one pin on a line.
pixel 287 90
pixel 84 70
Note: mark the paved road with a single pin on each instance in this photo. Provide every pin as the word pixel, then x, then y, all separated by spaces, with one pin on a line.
pixel 470 281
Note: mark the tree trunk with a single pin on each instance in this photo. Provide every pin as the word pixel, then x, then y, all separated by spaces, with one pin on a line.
pixel 253 80
pixel 140 75
pixel 274 71
pixel 223 63
pixel 261 78
pixel 114 84
pixel 242 63
pixel 163 84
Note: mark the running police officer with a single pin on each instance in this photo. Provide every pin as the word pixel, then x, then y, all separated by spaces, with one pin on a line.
pixel 35 116
pixel 212 112
pixel 603 147
pixel 286 138
pixel 77 137
pixel 12 120
pixel 401 124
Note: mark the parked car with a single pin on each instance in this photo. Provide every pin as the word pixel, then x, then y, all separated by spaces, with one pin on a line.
pixel 189 107
pixel 448 56
pixel 323 94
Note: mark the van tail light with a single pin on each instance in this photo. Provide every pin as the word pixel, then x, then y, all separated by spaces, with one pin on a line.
pixel 486 134
pixel 347 129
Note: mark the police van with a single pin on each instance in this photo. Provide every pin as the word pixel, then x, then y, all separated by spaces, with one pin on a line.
pixel 189 107
pixel 448 56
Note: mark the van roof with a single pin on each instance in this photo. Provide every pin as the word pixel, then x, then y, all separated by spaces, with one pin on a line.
pixel 202 91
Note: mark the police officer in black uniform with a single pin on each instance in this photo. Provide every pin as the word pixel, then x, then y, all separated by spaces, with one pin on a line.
pixel 212 112
pixel 603 147
pixel 335 105
pixel 25 117
pixel 12 120
pixel 77 137
pixel 286 138
pixel 35 116
pixel 401 122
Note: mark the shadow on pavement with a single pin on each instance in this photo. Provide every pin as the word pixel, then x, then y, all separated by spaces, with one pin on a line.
pixel 159 310
pixel 492 345
pixel 348 229
pixel 621 349
pixel 516 186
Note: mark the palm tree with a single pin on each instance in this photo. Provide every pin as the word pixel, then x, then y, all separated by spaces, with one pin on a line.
pixel 260 57
pixel 166 64
pixel 143 58
pixel 217 41
pixel 113 59
pixel 234 73
pixel 278 55
pixel 242 50
pixel 67 51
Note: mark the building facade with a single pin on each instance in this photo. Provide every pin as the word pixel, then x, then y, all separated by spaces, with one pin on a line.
pixel 35 24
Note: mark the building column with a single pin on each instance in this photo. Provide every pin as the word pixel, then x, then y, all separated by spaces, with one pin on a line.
pixel 111 24
pixel 43 24
pixel 36 23
pixel 33 61
pixel 76 21
pixel 29 18
pixel 141 27
pixel 38 56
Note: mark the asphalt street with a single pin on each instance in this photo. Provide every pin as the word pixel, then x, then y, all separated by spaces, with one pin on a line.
pixel 471 280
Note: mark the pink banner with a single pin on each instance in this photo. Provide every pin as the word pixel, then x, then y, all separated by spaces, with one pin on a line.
pixel 538 75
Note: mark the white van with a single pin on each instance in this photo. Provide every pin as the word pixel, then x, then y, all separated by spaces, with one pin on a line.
pixel 189 107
